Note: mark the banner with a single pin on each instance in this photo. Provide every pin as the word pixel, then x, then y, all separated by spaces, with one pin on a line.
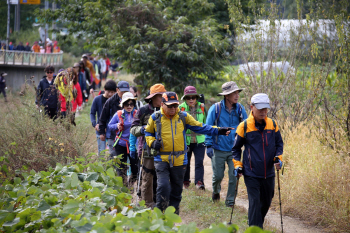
pixel 30 1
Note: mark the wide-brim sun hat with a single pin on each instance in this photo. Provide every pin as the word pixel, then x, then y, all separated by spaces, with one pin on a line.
pixel 260 101
pixel 126 96
pixel 190 91
pixel 155 90
pixel 228 88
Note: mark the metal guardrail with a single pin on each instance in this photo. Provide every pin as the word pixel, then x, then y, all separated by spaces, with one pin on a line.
pixel 22 58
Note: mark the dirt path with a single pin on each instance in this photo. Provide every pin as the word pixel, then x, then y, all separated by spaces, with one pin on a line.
pixel 273 219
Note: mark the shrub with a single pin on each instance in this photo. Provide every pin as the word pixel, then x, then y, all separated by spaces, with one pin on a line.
pixel 83 197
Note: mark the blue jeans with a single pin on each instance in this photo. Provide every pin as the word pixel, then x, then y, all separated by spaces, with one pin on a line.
pixel 101 145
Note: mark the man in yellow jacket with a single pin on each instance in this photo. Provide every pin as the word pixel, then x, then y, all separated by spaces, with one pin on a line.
pixel 166 134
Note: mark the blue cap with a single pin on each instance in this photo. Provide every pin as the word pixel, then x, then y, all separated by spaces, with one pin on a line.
pixel 123 86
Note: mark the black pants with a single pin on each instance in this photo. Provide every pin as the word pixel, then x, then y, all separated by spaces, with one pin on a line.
pixel 169 185
pixel 2 90
pixel 51 112
pixel 260 194
pixel 122 169
pixel 198 151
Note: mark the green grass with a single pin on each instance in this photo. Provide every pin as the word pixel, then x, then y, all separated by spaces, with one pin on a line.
pixel 197 206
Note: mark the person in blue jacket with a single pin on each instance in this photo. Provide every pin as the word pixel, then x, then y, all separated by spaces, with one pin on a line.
pixel 96 109
pixel 226 113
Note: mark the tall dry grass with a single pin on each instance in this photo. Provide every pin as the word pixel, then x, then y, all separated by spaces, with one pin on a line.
pixel 30 140
pixel 316 182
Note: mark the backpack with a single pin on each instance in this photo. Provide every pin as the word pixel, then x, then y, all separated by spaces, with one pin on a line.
pixel 218 112
pixel 246 125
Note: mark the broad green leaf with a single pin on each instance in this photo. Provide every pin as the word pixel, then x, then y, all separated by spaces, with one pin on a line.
pixel 92 176
pixel 11 223
pixel 35 216
pixel 3 215
pixel 255 229
pixel 75 180
pixel 110 172
pixel 108 199
pixel 83 229
pixel 43 206
pixel 71 206
pixel 17 180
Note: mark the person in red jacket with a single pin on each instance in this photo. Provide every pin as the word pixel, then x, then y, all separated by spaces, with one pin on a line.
pixel 76 102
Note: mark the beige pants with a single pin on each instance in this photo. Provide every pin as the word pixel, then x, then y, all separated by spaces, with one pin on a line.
pixel 148 171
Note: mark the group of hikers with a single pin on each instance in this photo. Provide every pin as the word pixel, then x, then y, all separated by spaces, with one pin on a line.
pixel 157 140
pixel 47 47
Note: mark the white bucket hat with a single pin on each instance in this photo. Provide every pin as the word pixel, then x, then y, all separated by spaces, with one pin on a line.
pixel 126 96
pixel 229 87
pixel 260 101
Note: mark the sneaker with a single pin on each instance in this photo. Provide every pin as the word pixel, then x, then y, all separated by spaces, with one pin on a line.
pixel 216 197
pixel 186 184
pixel 200 185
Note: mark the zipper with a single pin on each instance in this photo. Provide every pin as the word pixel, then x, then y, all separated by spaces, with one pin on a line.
pixel 267 142
pixel 262 135
pixel 172 135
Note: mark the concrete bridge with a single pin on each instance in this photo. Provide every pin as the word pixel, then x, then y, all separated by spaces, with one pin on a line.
pixel 21 65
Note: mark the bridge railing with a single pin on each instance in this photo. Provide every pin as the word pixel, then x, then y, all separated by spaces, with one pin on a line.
pixel 22 58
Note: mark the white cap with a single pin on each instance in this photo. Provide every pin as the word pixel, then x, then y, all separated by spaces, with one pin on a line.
pixel 126 96
pixel 260 101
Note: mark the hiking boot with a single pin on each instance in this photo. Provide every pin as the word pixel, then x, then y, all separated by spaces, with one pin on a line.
pixel 200 185
pixel 216 197
pixel 186 184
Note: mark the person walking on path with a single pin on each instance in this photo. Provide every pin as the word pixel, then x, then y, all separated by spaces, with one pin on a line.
pixel 263 148
pixel 47 95
pixel 92 71
pixel 121 123
pixel 3 85
pixel 226 113
pixel 165 133
pixel 195 141
pixel 111 106
pixel 96 109
pixel 149 178
pixel 73 96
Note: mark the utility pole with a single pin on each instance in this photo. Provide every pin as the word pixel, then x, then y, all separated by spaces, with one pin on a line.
pixel 53 23
pixel 8 24
pixel 46 25
pixel 18 17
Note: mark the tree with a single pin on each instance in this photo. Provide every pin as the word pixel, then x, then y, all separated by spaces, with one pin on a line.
pixel 173 42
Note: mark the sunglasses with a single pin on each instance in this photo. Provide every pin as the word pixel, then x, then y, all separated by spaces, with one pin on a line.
pixel 172 106
pixel 191 97
pixel 129 104
pixel 49 72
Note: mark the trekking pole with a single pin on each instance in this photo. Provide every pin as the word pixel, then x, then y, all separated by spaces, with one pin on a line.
pixel 279 193
pixel 139 179
pixel 236 191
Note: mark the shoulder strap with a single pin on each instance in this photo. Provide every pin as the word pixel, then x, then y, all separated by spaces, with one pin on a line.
pixel 240 112
pixel 158 116
pixel 217 113
pixel 274 124
pixel 120 116
pixel 202 107
pixel 183 119
pixel 245 128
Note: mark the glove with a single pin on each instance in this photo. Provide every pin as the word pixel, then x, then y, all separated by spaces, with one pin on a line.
pixel 133 154
pixel 238 171
pixel 156 145
pixel 224 130
pixel 210 151
pixel 277 160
